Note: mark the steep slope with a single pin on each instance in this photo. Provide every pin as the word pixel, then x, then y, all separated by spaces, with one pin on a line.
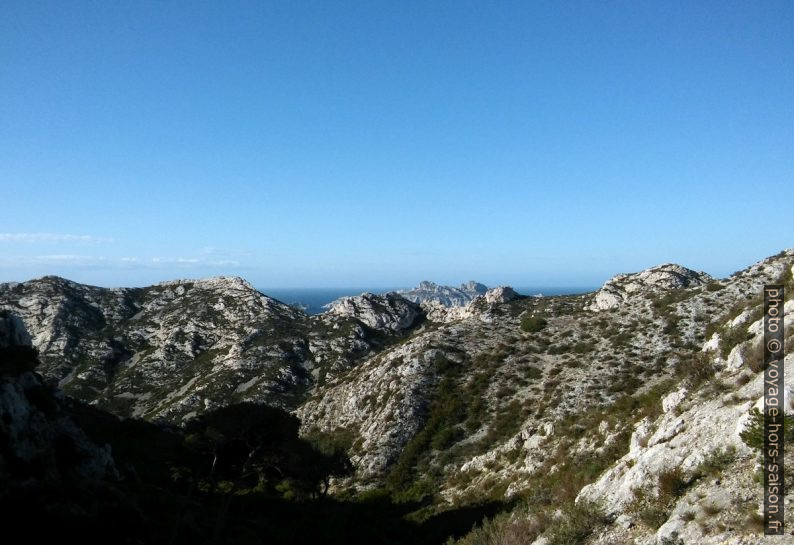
pixel 477 407
pixel 507 385
pixel 668 467
pixel 697 440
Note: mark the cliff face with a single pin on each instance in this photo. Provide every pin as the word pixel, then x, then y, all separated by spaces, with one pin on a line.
pixel 655 371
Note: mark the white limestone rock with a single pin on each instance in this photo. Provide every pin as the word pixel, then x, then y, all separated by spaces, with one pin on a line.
pixel 713 344
pixel 668 276
pixel 502 294
pixel 389 311
pixel 436 312
pixel 673 400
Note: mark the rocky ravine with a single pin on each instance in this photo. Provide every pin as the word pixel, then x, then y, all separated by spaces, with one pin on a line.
pixel 456 403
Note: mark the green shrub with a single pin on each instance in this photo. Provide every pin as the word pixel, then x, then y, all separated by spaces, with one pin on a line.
pixel 695 370
pixel 754 522
pixel 716 462
pixel 583 347
pixel 558 349
pixel 533 324
pixel 663 303
pixel 503 529
pixel 445 437
pixel 672 484
pixel 671 325
pixel 653 516
pixel 621 339
pixel 531 372
pixel 714 286
pixel 753 434
pixel 731 336
pixel 506 423
pixel 653 511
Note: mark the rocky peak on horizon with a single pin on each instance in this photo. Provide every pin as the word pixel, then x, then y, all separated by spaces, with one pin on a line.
pixel 447 296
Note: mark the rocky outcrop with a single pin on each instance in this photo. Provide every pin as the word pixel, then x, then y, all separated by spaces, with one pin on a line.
pixel 656 279
pixel 390 311
pixel 446 296
pixel 502 294
pixel 478 308
pixel 166 351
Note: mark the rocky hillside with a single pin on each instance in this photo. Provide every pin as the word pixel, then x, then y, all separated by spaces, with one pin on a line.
pixel 629 399
pixel 175 349
pixel 672 464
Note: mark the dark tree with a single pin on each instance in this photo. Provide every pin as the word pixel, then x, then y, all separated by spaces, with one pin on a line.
pixel 250 447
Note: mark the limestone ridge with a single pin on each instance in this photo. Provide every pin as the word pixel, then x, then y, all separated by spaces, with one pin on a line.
pixel 178 348
pixel 668 276
pixel 447 296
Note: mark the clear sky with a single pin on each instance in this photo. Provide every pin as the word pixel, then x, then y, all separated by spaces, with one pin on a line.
pixel 341 143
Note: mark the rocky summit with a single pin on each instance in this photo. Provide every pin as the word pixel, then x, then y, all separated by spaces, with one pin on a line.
pixel 619 416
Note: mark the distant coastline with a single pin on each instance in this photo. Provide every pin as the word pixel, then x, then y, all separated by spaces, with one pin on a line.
pixel 312 300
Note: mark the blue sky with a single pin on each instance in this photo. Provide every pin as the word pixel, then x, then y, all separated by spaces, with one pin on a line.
pixel 382 143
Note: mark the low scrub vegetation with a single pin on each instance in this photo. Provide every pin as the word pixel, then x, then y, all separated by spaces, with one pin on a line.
pixel 695 369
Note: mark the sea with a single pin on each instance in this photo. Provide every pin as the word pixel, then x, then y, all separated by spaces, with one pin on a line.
pixel 313 300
